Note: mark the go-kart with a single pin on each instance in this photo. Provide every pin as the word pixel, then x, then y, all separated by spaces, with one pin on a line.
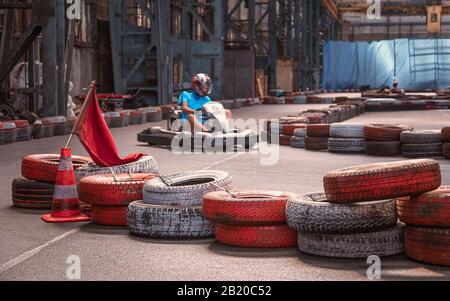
pixel 220 136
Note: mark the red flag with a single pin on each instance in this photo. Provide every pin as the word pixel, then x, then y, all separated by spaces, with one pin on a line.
pixel 95 135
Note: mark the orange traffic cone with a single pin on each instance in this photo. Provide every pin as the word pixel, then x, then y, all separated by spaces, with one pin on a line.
pixel 65 207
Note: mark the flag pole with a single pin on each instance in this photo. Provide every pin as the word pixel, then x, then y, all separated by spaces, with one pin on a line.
pixel 83 108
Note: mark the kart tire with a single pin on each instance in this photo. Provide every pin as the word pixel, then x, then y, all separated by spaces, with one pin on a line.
pixel 115 216
pixel 445 134
pixel 246 208
pixel 347 130
pixel 103 190
pixel 381 181
pixel 313 213
pixel 145 165
pixel 44 167
pixel 346 145
pixel 428 245
pixel 384 132
pixel 384 149
pixel 430 209
pixel 316 143
pixel 275 236
pixel 359 245
pixel 318 130
pixel 185 189
pixel 285 140
pixel 430 150
pixel 421 137
pixel 168 222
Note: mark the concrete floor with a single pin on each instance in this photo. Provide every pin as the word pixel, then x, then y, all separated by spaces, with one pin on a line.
pixel 33 250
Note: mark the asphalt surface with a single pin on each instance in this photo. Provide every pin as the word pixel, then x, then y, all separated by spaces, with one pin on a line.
pixel 33 250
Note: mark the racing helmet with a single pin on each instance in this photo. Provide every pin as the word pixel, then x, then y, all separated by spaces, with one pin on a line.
pixel 202 84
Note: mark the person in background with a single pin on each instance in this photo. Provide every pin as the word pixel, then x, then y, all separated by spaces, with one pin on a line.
pixel 191 102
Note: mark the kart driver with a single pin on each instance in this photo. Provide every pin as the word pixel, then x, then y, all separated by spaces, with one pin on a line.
pixel 192 102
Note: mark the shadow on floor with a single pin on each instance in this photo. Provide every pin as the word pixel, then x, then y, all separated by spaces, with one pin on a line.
pixel 104 230
pixel 222 249
pixel 203 241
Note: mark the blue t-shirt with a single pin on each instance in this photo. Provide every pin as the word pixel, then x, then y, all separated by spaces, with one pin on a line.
pixel 194 101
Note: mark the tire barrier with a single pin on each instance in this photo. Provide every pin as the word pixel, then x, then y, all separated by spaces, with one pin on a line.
pixel 384 132
pixel 318 130
pixel 431 150
pixel 245 208
pixel 359 245
pixel 382 181
pixel 346 145
pixel 44 167
pixel 145 165
pixel 289 129
pixel 428 245
pixel 386 148
pixel 421 137
pixel 8 133
pixel 347 130
pixel 312 213
pixel 298 142
pixel 168 222
pixel 274 236
pixel 431 209
pixel 285 140
pixel 185 189
pixel 31 194
pixel 446 151
pixel 316 143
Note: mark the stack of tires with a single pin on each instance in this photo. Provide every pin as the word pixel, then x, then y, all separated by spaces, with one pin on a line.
pixel 59 125
pixel 427 233
pixel 138 117
pixel 287 136
pixel 145 165
pixel 356 216
pixel 384 139
pixel 41 130
pixel 255 219
pixel 24 130
pixel 347 138
pixel 317 136
pixel 110 196
pixel 153 114
pixel 298 140
pixel 421 144
pixel 172 206
pixel 8 133
pixel 34 190
pixel 446 140
pixel 115 119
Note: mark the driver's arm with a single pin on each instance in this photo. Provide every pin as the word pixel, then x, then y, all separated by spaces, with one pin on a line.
pixel 186 109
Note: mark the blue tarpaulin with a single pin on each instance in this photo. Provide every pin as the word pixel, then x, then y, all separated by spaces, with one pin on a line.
pixel 415 63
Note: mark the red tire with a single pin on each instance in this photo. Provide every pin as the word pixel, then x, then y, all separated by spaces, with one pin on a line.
pixel 44 167
pixel 285 140
pixel 428 245
pixel 110 216
pixel 316 143
pixel 382 181
pixel 103 190
pixel 280 236
pixel 446 134
pixel 446 151
pixel 384 132
pixel 22 123
pixel 430 209
pixel 246 209
pixel 318 130
pixel 289 129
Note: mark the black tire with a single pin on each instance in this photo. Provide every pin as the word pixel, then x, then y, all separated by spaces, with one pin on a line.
pixel 154 116
pixel 421 137
pixel 431 150
pixel 362 245
pixel 297 142
pixel 32 194
pixel 152 221
pixel 185 189
pixel 346 145
pixel 145 165
pixel 42 131
pixel 387 148
pixel 313 213
pixel 347 130
pixel 60 129
pixel 117 122
pixel 27 115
